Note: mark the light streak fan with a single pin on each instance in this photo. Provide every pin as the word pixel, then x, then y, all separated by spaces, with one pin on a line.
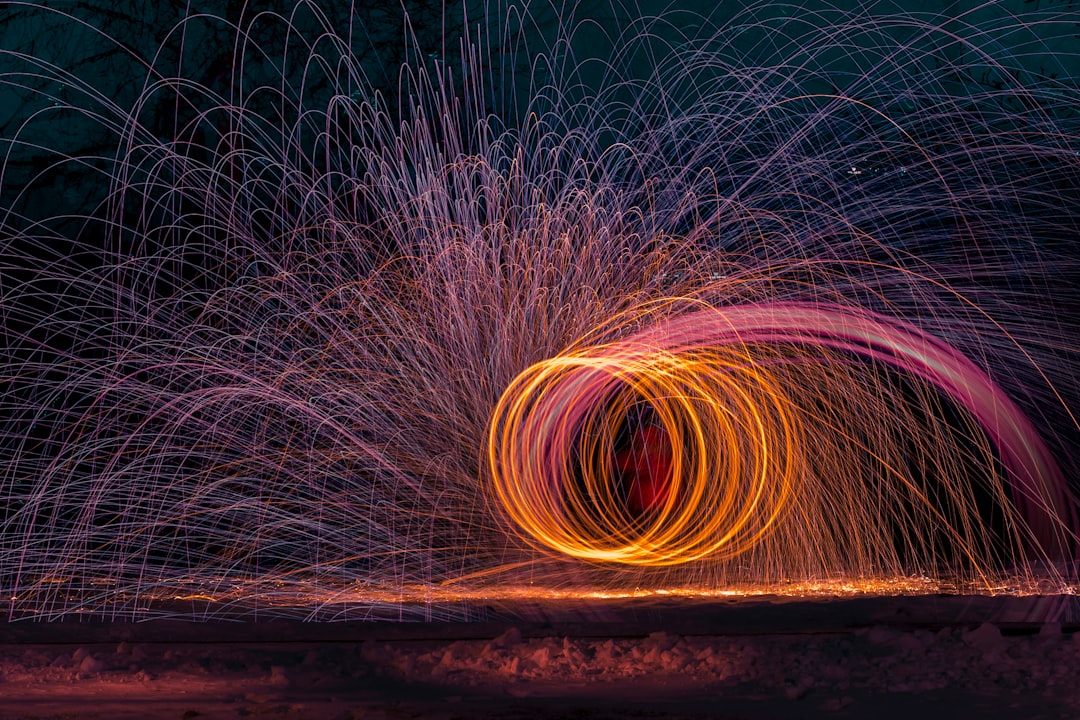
pixel 776 301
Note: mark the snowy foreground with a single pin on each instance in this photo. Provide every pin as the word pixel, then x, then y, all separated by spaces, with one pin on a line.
pixel 917 659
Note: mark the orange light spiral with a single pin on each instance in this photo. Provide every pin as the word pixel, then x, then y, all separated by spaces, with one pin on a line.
pixel 756 411
pixel 734 453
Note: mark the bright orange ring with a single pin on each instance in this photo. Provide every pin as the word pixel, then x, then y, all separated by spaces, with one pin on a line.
pixel 734 449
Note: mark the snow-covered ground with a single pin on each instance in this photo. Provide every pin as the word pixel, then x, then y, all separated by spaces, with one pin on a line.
pixel 809 668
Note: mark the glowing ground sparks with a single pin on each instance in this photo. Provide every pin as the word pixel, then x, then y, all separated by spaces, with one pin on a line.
pixel 755 408
pixel 303 598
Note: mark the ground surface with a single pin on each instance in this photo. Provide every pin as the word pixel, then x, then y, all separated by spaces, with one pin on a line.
pixel 882 658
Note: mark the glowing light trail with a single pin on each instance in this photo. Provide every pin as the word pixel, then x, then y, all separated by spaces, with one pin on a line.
pixel 735 429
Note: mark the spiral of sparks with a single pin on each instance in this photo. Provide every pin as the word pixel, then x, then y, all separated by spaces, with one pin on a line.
pixel 757 299
pixel 733 443
pixel 735 421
